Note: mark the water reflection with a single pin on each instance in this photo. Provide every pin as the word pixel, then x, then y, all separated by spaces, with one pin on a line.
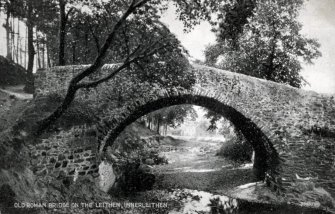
pixel 193 201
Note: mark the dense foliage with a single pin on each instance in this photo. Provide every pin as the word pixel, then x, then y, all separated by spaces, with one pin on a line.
pixel 100 31
pixel 131 156
pixel 11 73
pixel 237 149
pixel 172 116
pixel 270 45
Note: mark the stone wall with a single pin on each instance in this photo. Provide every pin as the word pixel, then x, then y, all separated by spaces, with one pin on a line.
pixel 66 155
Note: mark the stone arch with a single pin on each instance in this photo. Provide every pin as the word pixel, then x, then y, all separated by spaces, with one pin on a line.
pixel 298 123
pixel 266 157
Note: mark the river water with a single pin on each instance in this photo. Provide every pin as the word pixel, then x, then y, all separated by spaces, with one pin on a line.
pixel 196 181
pixel 193 164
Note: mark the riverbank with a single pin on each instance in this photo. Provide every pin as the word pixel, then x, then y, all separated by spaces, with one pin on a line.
pixel 193 164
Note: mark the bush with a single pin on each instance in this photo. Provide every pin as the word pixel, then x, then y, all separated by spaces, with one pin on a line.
pixel 236 150
pixel 11 73
pixel 135 178
pixel 7 198
pixel 132 156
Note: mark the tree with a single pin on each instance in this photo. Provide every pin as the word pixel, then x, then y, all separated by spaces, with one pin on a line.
pixel 10 8
pixel 63 19
pixel 269 46
pixel 232 19
pixel 137 8
pixel 31 51
pixel 35 13
pixel 75 83
pixel 21 10
pixel 29 11
pixel 172 116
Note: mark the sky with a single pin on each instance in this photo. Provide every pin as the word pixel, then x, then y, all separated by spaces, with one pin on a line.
pixel 317 17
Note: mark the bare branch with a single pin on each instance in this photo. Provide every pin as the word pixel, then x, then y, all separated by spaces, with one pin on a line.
pixel 103 51
pixel 96 39
pixel 139 65
pixel 97 82
pixel 141 3
pixel 126 63
pixel 68 13
pixel 106 8
pixel 126 39
pixel 155 50
pixel 135 52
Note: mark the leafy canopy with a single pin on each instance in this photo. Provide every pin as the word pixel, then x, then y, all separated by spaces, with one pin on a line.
pixel 271 45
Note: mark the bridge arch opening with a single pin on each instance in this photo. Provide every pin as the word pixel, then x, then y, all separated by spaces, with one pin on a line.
pixel 266 158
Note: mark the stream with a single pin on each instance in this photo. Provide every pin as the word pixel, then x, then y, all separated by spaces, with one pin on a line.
pixel 193 164
pixel 195 180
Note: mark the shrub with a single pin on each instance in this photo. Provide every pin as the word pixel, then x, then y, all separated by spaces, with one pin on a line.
pixel 11 73
pixel 236 149
pixel 135 178
pixel 7 198
pixel 222 207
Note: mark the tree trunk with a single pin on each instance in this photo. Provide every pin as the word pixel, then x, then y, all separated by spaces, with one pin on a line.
pixel 31 52
pixel 13 40
pixel 18 44
pixel 149 122
pixel 73 53
pixel 119 99
pixel 48 58
pixel 96 39
pixel 270 64
pixel 38 50
pixel 86 47
pixel 43 54
pixel 59 111
pixel 75 57
pixel 98 63
pixel 8 35
pixel 158 125
pixel 25 48
pixel 62 32
pixel 48 52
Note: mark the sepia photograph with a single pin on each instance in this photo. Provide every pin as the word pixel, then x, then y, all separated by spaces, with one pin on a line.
pixel 167 107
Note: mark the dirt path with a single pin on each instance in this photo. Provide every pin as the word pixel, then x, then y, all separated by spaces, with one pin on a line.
pixel 194 165
pixel 17 91
pixel 11 106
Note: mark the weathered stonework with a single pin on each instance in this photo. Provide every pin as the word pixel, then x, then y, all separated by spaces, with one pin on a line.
pixel 281 122
pixel 66 155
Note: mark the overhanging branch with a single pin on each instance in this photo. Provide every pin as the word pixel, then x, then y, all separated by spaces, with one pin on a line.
pixel 98 63
pixel 126 64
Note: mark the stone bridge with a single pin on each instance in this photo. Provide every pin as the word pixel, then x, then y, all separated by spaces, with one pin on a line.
pixel 291 130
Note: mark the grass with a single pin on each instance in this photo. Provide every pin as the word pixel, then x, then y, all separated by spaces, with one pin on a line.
pixel 10 110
